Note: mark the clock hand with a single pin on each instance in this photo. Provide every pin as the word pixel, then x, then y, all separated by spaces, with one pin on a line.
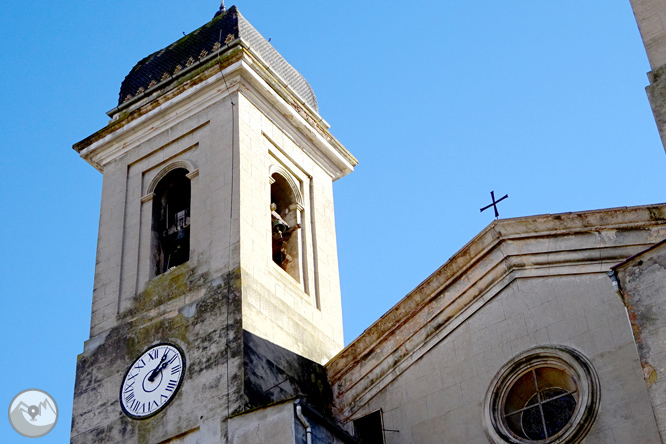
pixel 159 367
pixel 162 367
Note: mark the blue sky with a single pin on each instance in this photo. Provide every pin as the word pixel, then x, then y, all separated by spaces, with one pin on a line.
pixel 441 102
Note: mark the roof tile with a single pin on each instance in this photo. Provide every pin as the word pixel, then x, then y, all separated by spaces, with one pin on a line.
pixel 194 47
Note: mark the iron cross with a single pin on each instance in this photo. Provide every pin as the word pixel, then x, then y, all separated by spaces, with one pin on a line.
pixel 494 204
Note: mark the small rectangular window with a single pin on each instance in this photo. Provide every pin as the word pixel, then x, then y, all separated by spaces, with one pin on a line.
pixel 370 428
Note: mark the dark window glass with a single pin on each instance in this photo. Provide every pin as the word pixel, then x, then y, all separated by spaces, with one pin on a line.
pixel 540 403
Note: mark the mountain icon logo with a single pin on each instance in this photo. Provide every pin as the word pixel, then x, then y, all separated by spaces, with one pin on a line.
pixel 33 413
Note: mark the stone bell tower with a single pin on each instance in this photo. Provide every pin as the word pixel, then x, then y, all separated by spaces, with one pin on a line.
pixel 216 238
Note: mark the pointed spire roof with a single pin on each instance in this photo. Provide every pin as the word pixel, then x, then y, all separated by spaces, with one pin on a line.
pixel 160 68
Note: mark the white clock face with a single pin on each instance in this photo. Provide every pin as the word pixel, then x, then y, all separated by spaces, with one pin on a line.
pixel 152 381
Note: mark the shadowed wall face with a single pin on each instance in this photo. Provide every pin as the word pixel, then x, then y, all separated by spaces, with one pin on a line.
pixel 274 374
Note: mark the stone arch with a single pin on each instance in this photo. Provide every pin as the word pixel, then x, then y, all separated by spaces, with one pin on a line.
pixel 295 189
pixel 286 205
pixel 184 164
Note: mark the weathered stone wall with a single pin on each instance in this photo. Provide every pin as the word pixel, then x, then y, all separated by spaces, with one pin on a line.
pixel 280 424
pixel 440 397
pixel 196 305
pixel 643 283
pixel 651 18
pixel 228 141
pixel 273 424
pixel 233 149
pixel 274 374
pixel 196 312
pixel 656 93
pixel 304 316
pixel 124 247
pixel 525 282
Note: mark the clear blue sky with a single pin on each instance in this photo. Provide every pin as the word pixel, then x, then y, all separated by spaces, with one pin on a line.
pixel 441 102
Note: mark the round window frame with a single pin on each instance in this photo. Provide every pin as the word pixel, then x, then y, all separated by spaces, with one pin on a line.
pixel 579 368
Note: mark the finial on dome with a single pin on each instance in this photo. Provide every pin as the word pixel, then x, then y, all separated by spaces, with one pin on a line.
pixel 221 10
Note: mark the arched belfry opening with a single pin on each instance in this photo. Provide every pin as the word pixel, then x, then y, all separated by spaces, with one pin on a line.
pixel 171 221
pixel 285 222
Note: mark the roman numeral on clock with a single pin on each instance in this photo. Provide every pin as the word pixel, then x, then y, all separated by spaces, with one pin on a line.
pixel 153 354
pixel 175 369
pixel 129 387
pixel 171 386
pixel 135 406
pixel 129 397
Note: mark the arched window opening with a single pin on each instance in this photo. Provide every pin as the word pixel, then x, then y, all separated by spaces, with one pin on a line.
pixel 171 221
pixel 284 226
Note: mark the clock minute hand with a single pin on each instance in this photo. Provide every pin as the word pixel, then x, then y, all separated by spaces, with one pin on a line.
pixel 159 367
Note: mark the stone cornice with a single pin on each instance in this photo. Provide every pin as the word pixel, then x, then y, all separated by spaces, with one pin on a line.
pixel 242 70
pixel 509 249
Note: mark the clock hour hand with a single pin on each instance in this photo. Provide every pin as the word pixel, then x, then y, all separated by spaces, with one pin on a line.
pixel 160 366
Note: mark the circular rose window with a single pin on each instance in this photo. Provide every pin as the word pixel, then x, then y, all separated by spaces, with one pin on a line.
pixel 546 395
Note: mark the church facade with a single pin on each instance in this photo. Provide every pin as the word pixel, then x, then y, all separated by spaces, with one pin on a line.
pixel 216 310
pixel 525 309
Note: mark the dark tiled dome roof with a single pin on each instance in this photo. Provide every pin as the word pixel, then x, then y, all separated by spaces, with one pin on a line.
pixel 226 27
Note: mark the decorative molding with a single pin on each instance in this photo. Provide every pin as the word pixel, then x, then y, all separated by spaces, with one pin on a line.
pixel 185 164
pixel 293 183
pixel 192 174
pixel 147 198
pixel 311 120
pixel 120 137
pixel 123 135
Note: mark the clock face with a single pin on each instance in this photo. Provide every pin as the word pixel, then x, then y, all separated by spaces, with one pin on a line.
pixel 152 381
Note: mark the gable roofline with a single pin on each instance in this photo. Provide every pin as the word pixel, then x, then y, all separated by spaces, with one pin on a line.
pixel 506 250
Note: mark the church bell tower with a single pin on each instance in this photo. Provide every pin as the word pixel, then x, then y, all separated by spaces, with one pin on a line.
pixel 216 286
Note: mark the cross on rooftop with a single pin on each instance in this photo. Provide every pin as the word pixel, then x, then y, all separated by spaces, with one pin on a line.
pixel 494 204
